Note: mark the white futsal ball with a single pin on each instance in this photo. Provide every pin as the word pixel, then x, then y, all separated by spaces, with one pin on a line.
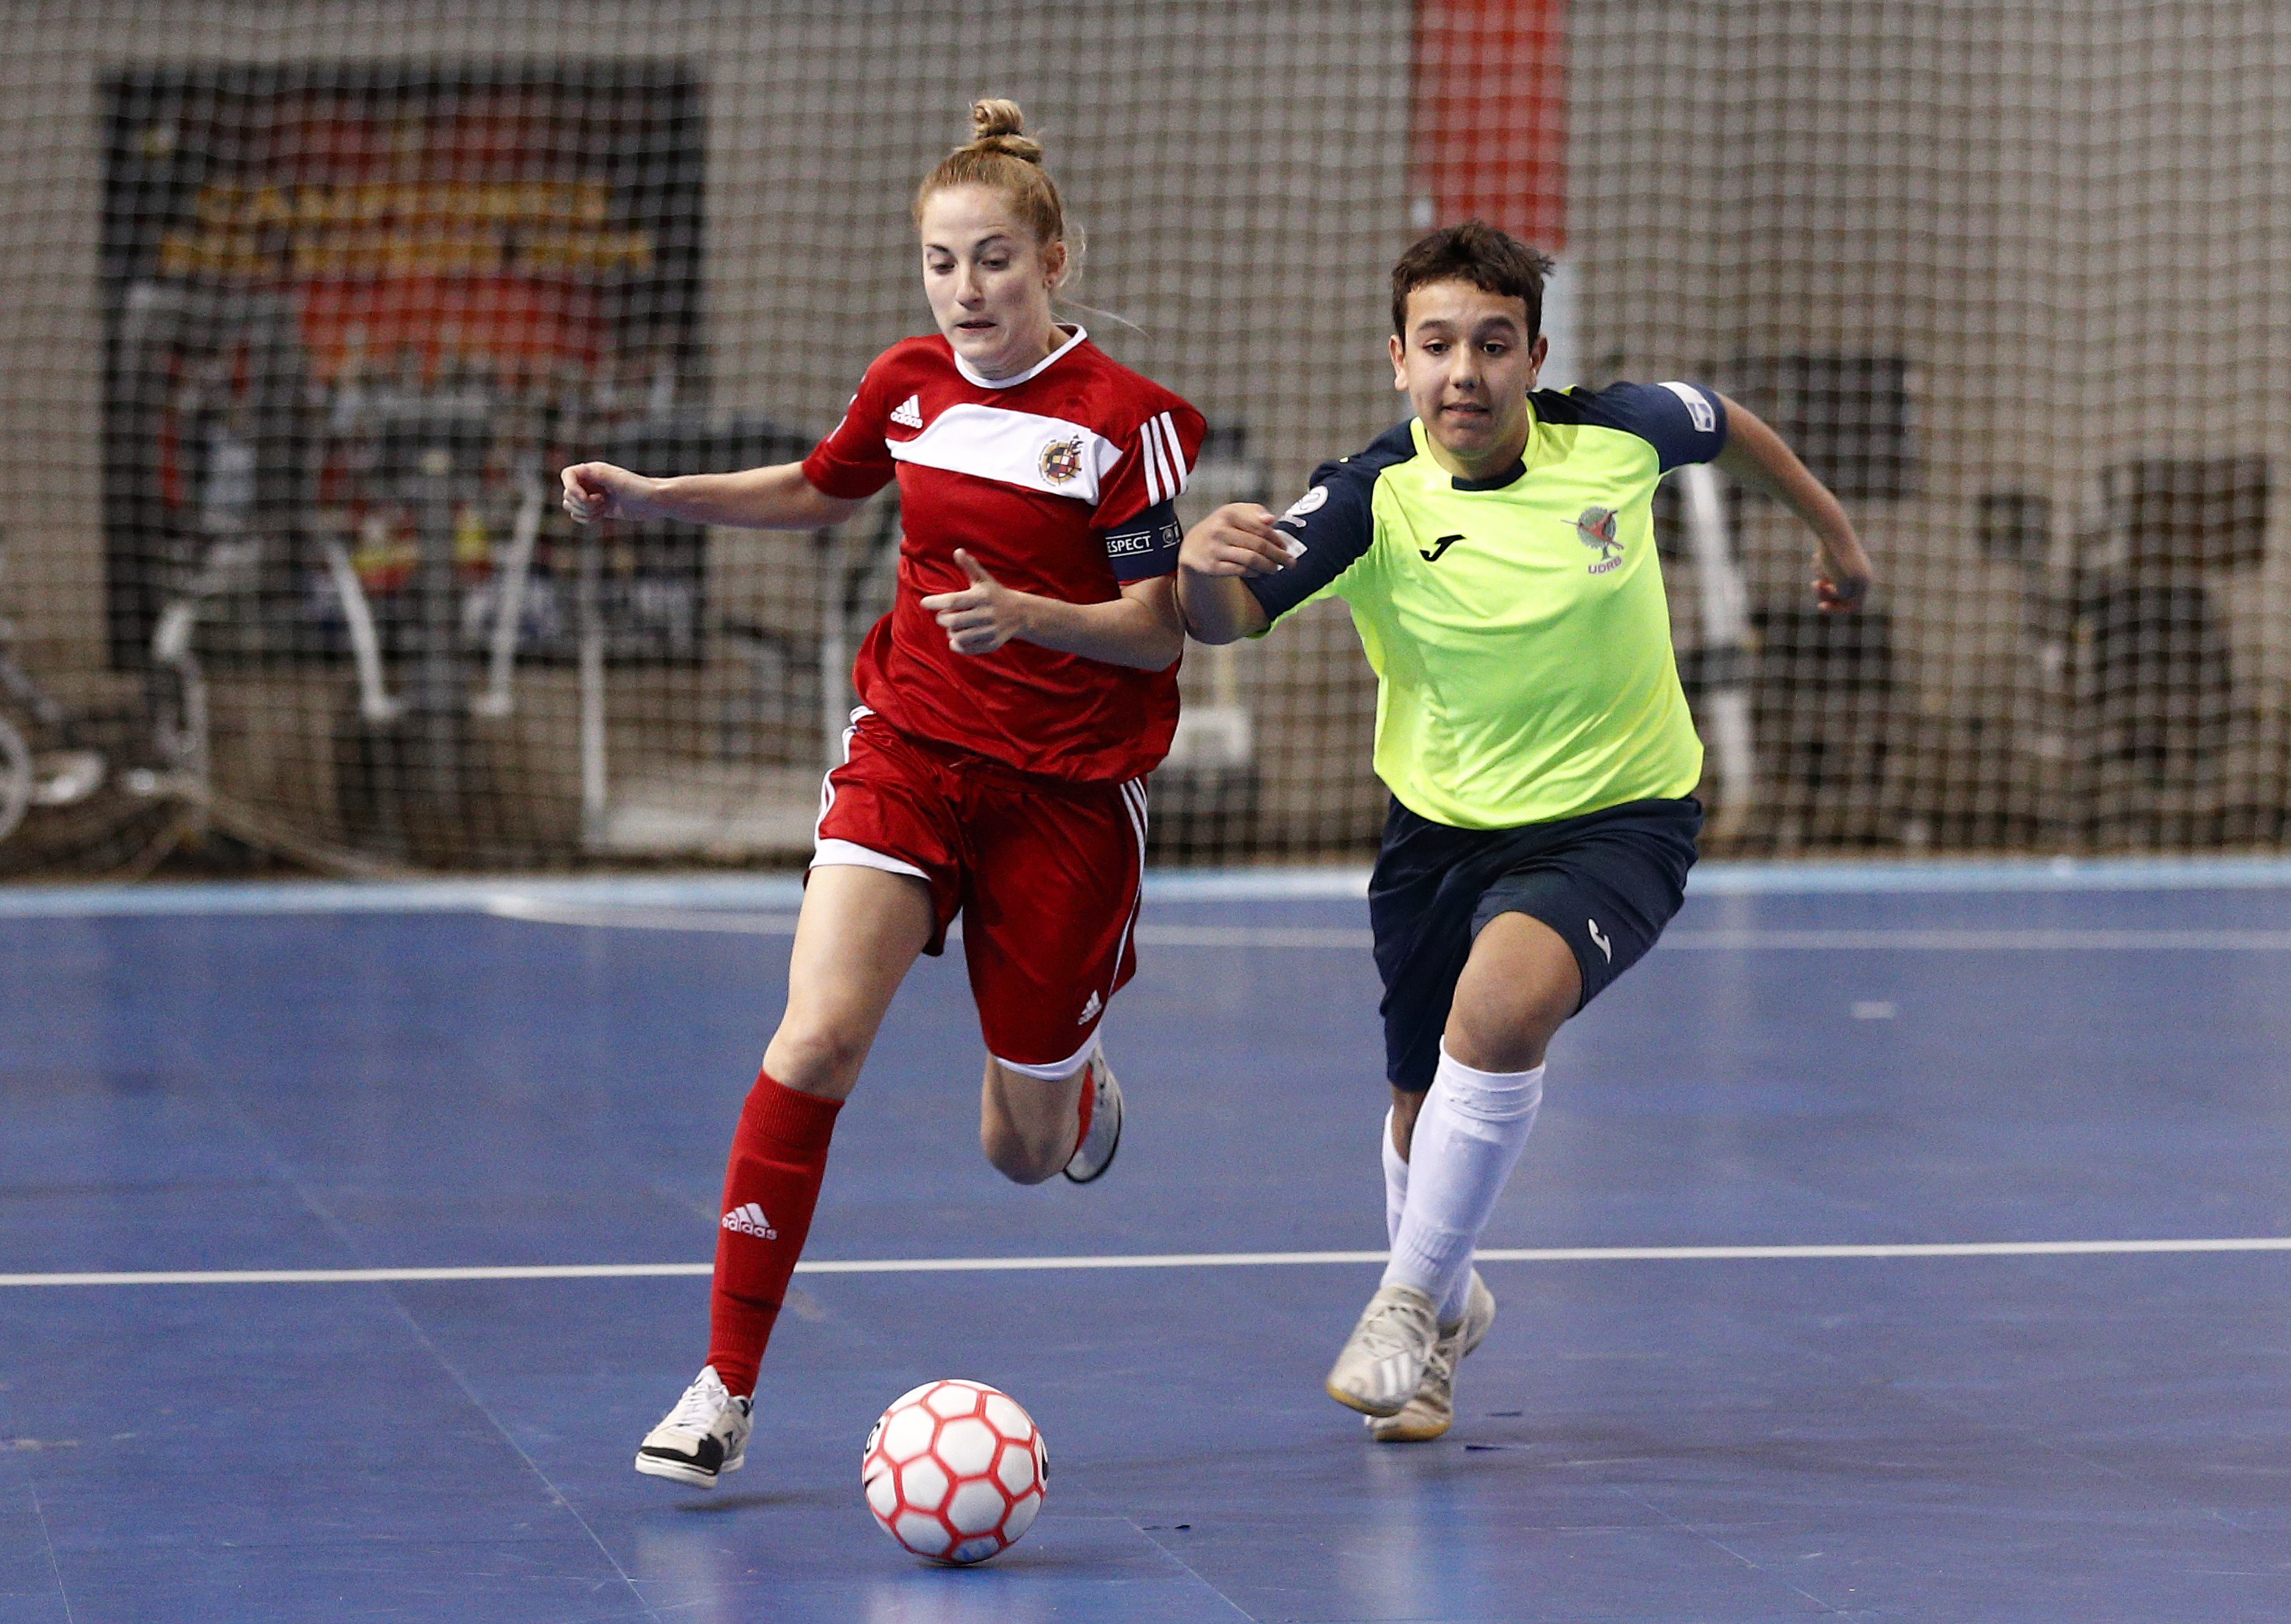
pixel 955 1470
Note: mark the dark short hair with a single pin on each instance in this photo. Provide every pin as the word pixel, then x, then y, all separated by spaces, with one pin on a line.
pixel 1475 252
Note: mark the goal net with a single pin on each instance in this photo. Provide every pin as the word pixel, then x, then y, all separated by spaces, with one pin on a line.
pixel 304 305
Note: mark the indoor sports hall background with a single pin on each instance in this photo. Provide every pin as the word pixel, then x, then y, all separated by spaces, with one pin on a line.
pixel 1903 1239
pixel 302 305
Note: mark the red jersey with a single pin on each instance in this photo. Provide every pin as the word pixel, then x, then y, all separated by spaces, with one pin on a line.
pixel 1060 482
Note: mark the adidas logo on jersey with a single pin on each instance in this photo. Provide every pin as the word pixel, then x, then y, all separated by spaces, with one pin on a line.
pixel 1090 1009
pixel 908 412
pixel 750 1220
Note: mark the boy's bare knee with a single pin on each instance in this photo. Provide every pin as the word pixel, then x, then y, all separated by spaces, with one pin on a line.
pixel 1510 1038
pixel 1495 1027
pixel 1519 987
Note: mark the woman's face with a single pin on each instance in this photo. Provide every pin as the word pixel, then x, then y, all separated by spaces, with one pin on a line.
pixel 988 281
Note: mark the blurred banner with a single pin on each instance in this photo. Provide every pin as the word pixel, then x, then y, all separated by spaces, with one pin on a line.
pixel 366 307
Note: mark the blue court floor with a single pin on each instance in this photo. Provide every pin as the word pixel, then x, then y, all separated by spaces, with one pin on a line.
pixel 1796 1418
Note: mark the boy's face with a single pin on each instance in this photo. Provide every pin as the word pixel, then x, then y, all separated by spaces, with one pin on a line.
pixel 1466 362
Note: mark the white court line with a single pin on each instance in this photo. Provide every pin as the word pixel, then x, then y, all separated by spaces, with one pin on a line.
pixel 112 899
pixel 1253 936
pixel 1985 941
pixel 361 1277
pixel 538 911
pixel 1164 1260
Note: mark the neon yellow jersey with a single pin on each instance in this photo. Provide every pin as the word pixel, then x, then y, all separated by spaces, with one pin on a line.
pixel 1516 624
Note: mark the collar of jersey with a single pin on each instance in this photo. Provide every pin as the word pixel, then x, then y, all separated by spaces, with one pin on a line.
pixel 1516 471
pixel 1511 475
pixel 1032 372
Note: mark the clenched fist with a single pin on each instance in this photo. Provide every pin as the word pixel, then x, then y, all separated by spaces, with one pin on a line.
pixel 1237 539
pixel 595 491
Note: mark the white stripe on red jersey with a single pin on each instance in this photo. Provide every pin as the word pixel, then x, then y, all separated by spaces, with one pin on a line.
pixel 1045 479
pixel 1048 454
pixel 1159 486
pixel 1153 488
pixel 1178 469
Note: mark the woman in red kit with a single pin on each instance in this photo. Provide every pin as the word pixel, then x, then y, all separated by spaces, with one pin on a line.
pixel 1011 704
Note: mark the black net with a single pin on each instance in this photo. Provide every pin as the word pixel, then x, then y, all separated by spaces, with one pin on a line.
pixel 305 304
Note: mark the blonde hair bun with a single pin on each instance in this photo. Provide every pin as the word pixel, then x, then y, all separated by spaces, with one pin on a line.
pixel 999 125
pixel 1000 156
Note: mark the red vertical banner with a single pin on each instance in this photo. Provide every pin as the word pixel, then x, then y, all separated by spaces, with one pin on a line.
pixel 1490 115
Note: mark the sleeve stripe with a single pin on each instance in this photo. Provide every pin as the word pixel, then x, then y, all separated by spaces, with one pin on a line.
pixel 1157 483
pixel 1173 478
pixel 1177 450
pixel 1699 411
pixel 1153 467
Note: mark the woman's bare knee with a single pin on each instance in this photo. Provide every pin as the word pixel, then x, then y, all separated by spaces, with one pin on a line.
pixel 818 1057
pixel 860 931
pixel 1014 1155
pixel 1027 1125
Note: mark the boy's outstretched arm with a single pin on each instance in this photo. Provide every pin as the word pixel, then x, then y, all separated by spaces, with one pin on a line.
pixel 1237 539
pixel 1758 456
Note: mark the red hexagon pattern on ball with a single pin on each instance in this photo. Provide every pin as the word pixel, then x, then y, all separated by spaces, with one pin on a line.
pixel 956 1471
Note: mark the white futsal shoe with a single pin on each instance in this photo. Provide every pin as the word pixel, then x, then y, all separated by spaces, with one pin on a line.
pixel 704 1437
pixel 1095 1154
pixel 1432 1409
pixel 1384 1360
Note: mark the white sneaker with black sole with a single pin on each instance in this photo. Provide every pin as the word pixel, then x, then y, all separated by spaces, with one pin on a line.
pixel 1095 1154
pixel 704 1437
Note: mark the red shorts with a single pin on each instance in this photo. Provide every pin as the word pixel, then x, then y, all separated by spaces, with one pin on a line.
pixel 1046 875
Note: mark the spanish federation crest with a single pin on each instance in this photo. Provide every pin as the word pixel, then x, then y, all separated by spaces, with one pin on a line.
pixel 1061 460
pixel 1597 529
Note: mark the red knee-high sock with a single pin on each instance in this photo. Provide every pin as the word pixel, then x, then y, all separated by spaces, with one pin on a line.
pixel 779 1154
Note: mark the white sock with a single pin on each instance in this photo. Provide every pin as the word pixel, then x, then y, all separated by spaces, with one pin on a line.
pixel 1395 1202
pixel 1396 1184
pixel 1460 1294
pixel 1468 1137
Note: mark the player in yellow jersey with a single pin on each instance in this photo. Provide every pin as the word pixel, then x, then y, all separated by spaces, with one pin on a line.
pixel 1497 555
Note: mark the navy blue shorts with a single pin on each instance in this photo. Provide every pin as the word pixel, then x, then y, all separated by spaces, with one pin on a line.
pixel 1607 882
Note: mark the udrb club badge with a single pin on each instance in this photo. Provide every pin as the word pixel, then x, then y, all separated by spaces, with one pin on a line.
pixel 1597 529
